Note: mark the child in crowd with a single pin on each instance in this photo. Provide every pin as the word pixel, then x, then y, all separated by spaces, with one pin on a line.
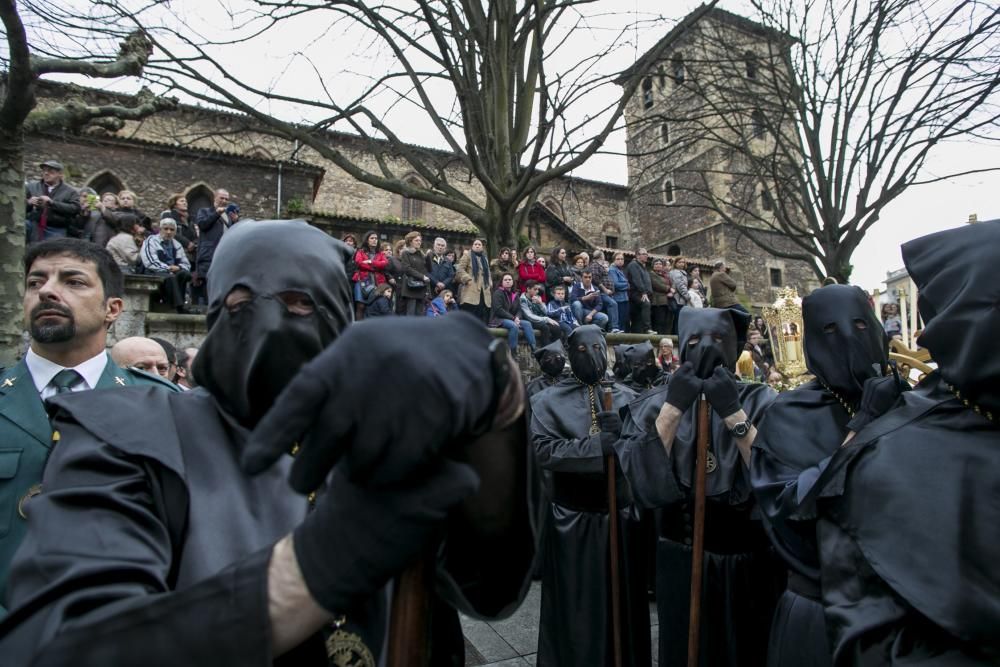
pixel 559 310
pixel 382 303
pixel 442 304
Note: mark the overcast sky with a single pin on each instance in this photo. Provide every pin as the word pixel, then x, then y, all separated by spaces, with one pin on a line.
pixel 346 60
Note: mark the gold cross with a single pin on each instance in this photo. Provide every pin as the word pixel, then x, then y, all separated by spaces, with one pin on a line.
pixel 9 382
pixel 120 381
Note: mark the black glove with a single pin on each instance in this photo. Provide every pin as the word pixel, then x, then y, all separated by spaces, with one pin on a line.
pixel 610 424
pixel 722 392
pixel 358 537
pixel 684 387
pixel 878 397
pixel 383 401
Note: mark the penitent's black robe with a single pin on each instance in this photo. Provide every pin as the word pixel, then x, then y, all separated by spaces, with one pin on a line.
pixel 743 578
pixel 150 546
pixel 575 624
pixel 800 428
pixel 909 511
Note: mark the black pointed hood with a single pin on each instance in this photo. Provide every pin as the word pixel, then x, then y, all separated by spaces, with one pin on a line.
pixel 588 354
pixel 551 358
pixel 959 301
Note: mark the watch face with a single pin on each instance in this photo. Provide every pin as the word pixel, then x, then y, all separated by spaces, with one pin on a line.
pixel 741 429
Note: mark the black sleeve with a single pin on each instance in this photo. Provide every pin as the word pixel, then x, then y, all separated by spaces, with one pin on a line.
pixel 560 454
pixel 647 466
pixel 93 583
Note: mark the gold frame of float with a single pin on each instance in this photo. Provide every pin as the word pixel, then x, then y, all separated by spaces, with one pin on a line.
pixel 785 329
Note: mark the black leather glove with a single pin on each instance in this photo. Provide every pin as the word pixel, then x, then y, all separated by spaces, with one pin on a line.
pixel 382 401
pixel 358 537
pixel 722 392
pixel 684 387
pixel 877 398
pixel 610 424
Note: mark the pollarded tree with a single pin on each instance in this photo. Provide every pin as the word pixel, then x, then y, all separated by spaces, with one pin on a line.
pixel 29 57
pixel 811 120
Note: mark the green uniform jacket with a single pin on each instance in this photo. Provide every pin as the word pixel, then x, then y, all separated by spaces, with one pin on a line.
pixel 25 442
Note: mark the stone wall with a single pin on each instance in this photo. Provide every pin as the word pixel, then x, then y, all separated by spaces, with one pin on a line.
pixel 154 172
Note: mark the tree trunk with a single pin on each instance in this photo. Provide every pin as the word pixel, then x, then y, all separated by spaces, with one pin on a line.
pixel 11 245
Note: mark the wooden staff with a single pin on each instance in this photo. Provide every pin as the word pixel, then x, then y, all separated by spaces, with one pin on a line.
pixel 409 619
pixel 609 463
pixel 698 544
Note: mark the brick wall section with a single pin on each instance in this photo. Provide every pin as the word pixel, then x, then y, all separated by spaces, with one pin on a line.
pixel 154 174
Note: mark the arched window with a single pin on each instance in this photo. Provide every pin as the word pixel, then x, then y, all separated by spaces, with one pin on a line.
pixel 554 207
pixel 647 92
pixel 198 197
pixel 664 134
pixel 758 124
pixel 668 191
pixel 677 68
pixel 105 181
pixel 750 62
pixel 413 209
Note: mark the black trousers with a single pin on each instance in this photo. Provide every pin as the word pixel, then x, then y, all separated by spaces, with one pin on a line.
pixel 173 287
pixel 640 317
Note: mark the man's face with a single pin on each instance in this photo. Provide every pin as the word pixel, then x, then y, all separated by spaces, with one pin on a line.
pixel 168 232
pixel 755 338
pixel 439 246
pixel 153 361
pixel 221 198
pixel 586 279
pixel 51 176
pixel 642 255
pixel 558 294
pixel 64 300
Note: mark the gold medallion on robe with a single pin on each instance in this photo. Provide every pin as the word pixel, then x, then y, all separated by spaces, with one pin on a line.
pixel 346 649
pixel 711 464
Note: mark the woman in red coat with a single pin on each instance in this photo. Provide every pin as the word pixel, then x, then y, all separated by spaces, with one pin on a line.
pixel 371 263
pixel 530 269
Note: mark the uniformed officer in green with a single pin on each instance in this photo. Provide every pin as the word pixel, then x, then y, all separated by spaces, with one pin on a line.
pixel 73 293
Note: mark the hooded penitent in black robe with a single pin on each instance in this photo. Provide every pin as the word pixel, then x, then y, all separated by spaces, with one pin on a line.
pixel 844 346
pixel 742 576
pixel 643 373
pixel 150 545
pixel 909 509
pixel 575 624
pixel 552 361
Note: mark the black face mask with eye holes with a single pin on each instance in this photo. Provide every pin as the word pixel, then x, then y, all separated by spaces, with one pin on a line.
pixel 588 354
pixel 253 349
pixel 843 340
pixel 708 338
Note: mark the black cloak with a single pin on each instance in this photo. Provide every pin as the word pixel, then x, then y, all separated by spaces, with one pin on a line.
pixel 844 345
pixel 908 510
pixel 150 545
pixel 575 624
pixel 742 582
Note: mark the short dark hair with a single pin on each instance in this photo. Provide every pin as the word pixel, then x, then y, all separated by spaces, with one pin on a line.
pixel 107 269
pixel 586 272
pixel 531 284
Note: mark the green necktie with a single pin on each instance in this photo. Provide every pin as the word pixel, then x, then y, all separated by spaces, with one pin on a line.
pixel 65 380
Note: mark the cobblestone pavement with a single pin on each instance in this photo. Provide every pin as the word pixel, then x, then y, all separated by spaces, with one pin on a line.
pixel 512 642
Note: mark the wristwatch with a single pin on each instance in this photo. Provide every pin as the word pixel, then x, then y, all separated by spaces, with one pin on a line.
pixel 741 429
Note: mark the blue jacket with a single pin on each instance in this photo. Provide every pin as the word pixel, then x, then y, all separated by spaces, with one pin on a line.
pixel 436 307
pixel 620 282
pixel 441 271
pixel 562 313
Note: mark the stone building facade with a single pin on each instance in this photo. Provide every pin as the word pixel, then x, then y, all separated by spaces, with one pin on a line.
pixel 697 114
pixel 195 150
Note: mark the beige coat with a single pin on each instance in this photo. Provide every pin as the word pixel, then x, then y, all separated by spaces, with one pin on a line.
pixel 469 287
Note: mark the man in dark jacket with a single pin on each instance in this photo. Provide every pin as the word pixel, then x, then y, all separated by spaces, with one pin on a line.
pixel 640 292
pixel 51 205
pixel 212 224
pixel 440 268
pixel 186 544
